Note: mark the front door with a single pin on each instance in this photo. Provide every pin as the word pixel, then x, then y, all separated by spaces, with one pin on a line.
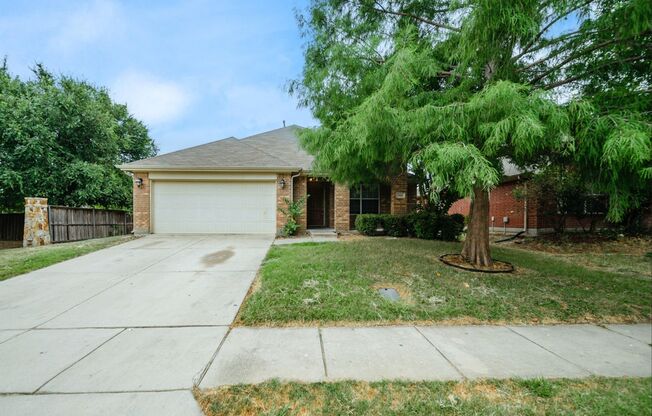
pixel 316 205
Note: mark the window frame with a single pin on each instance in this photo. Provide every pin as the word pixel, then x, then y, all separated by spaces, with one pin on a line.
pixel 361 198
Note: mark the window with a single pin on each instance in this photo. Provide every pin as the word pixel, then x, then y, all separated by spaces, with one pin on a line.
pixel 364 199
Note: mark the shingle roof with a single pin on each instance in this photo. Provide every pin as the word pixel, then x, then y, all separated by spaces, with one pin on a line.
pixel 275 150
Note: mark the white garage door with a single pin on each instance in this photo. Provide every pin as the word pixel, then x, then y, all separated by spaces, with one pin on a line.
pixel 214 207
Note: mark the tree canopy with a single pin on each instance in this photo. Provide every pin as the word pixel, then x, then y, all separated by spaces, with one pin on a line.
pixel 458 87
pixel 61 138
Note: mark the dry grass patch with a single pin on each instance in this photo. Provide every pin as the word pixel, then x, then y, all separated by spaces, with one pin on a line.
pixel 595 396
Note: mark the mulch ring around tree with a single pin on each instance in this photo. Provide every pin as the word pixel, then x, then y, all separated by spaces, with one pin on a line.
pixel 456 260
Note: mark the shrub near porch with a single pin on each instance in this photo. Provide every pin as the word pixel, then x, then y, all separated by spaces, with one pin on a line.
pixel 333 282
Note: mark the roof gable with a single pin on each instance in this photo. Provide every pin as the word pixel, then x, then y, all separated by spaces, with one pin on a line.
pixel 276 149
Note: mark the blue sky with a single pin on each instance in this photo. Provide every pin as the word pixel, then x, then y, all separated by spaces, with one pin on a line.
pixel 193 71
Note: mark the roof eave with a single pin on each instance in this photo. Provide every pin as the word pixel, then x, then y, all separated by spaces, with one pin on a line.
pixel 274 169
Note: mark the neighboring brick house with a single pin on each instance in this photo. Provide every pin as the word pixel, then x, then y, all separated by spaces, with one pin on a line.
pixel 237 185
pixel 507 212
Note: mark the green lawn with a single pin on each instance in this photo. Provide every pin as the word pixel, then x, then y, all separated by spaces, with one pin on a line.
pixel 16 261
pixel 623 263
pixel 331 282
pixel 594 396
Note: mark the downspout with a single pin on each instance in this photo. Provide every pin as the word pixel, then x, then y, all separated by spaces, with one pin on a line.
pixel 525 211
pixel 292 184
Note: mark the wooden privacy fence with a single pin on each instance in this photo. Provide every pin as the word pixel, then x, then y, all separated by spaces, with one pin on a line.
pixel 11 227
pixel 73 224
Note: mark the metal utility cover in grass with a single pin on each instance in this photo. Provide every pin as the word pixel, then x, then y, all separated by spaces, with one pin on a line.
pixel 389 293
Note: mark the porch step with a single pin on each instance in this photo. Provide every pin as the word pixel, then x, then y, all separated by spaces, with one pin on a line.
pixel 322 232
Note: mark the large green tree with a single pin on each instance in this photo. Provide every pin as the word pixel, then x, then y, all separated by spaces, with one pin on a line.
pixel 61 138
pixel 460 87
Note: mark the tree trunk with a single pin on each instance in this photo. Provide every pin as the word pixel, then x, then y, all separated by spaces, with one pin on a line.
pixel 476 245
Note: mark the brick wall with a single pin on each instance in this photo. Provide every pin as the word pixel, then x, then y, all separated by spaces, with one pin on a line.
pixel 282 193
pixel 300 190
pixel 141 204
pixel 503 203
pixel 399 197
pixel 341 208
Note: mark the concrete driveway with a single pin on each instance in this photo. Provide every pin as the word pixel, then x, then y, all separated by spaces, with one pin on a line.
pixel 125 330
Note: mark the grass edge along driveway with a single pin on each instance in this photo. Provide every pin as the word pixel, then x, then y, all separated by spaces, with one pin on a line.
pixel 17 261
pixel 592 396
pixel 336 283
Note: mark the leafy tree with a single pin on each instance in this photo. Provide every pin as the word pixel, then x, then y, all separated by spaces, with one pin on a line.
pixel 61 138
pixel 458 87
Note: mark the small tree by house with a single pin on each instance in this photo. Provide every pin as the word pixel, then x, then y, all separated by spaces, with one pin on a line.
pixel 292 212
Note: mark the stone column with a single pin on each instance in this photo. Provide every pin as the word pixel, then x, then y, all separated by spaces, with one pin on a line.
pixel 399 199
pixel 36 231
pixel 281 194
pixel 141 203
pixel 341 208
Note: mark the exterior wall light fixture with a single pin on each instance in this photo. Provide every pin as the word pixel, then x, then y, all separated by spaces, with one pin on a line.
pixel 282 183
pixel 139 182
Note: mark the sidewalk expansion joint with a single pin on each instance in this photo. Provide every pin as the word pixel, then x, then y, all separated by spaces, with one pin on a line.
pixel 604 326
pixel 551 352
pixel 441 353
pixel 72 393
pixel 75 362
pixel 204 370
pixel 323 353
pixel 130 327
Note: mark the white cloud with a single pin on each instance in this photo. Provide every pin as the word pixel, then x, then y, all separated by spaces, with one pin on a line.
pixel 149 98
pixel 258 108
pixel 88 24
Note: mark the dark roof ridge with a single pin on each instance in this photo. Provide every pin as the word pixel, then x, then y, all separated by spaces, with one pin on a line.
pixel 271 131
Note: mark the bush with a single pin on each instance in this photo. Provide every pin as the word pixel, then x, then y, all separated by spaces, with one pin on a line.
pixel 450 228
pixel 395 225
pixel 424 225
pixel 458 218
pixel 427 226
pixel 410 221
pixel 430 226
pixel 367 224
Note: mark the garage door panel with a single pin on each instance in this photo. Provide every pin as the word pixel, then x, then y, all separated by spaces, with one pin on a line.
pixel 214 207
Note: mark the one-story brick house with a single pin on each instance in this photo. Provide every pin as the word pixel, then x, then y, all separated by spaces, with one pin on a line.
pixel 237 185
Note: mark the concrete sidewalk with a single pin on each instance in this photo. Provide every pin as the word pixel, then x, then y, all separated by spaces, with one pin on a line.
pixel 253 355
